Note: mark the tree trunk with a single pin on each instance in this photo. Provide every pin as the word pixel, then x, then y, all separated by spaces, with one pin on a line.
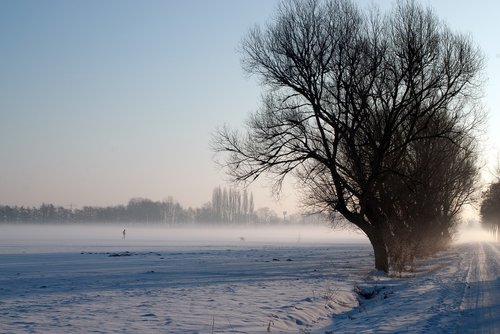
pixel 380 251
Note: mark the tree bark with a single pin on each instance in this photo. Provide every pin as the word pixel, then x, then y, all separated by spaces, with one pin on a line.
pixel 380 251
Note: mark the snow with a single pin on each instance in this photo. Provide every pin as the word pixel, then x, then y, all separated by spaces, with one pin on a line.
pixel 457 291
pixel 294 280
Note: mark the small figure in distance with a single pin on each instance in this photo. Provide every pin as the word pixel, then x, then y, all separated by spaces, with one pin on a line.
pixel 123 234
pixel 242 238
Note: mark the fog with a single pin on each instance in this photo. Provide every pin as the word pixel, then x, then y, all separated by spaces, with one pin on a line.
pixel 473 232
pixel 25 238
pixel 61 238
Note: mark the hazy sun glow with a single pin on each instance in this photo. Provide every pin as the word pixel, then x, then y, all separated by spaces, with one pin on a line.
pixel 473 232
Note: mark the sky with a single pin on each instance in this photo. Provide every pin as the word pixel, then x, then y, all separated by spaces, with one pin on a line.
pixel 104 101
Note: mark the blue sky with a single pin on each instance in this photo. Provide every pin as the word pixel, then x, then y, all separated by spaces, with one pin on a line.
pixel 102 101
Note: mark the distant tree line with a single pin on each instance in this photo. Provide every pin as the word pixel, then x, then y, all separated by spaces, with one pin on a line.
pixel 228 206
pixel 137 210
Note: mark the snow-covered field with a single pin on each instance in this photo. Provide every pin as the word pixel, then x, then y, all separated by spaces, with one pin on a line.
pixel 297 280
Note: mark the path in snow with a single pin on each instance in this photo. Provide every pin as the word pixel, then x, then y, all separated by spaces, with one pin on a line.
pixel 481 306
pixel 455 292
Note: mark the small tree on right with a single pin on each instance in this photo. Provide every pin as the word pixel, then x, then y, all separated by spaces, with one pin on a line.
pixel 490 208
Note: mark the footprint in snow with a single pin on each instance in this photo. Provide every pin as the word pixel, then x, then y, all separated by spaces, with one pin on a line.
pixel 149 315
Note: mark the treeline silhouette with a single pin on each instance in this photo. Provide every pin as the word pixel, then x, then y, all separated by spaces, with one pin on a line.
pixel 228 206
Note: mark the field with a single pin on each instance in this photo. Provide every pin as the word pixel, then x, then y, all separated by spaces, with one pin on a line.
pixel 64 279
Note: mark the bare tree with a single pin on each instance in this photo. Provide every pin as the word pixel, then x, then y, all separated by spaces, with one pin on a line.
pixel 349 96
